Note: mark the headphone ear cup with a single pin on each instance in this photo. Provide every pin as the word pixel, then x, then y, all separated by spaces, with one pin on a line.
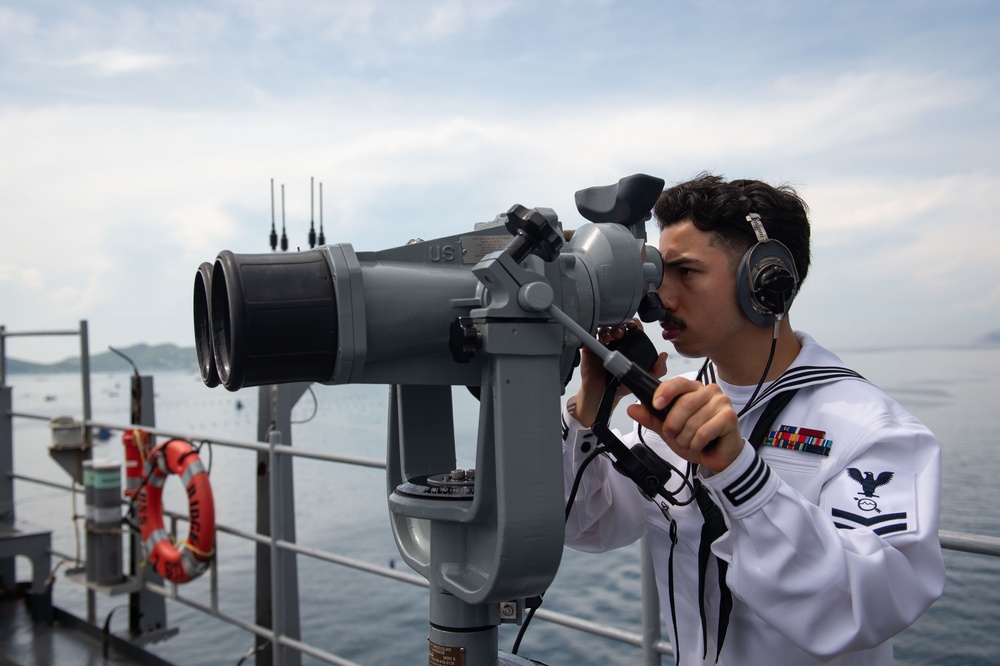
pixel 766 282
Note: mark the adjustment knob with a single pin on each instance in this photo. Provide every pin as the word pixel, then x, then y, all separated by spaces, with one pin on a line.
pixel 534 234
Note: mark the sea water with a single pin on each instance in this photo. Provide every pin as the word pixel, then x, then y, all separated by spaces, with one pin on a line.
pixel 342 509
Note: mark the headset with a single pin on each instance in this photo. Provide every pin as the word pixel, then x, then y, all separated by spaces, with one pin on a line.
pixel 766 279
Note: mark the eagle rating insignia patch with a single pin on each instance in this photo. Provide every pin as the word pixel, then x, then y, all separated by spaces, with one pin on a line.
pixel 869 489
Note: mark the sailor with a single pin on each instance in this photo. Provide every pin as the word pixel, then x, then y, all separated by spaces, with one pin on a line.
pixel 799 523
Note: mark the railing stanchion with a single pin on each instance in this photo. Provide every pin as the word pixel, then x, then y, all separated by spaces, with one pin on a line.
pixel 651 634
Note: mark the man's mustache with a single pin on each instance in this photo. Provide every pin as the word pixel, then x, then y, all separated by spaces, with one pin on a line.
pixel 670 321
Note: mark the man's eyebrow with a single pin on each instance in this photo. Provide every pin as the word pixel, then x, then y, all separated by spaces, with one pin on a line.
pixel 682 261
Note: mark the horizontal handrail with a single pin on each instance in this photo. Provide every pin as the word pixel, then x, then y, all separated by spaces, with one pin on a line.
pixel 950 539
pixel 260 447
pixel 970 542
pixel 23 334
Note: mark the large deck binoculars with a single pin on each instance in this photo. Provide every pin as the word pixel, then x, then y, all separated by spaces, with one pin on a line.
pixel 502 309
pixel 412 314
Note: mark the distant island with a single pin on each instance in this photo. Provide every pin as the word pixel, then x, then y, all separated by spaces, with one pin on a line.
pixel 146 358
pixel 989 339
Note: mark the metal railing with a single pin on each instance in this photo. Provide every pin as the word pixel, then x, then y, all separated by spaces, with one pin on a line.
pixel 654 646
pixel 288 643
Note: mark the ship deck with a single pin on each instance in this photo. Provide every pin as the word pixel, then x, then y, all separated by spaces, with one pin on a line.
pixel 64 641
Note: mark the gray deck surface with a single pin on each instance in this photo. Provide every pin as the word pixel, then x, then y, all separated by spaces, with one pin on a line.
pixel 24 643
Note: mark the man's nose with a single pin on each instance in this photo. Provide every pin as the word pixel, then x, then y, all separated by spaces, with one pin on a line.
pixel 666 295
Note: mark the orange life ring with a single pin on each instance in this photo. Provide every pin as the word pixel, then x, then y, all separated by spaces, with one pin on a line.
pixel 186 562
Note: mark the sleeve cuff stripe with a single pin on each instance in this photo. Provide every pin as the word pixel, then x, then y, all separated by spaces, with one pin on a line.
pixel 749 483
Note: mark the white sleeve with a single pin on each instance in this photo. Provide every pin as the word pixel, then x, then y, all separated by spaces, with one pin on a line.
pixel 608 509
pixel 854 570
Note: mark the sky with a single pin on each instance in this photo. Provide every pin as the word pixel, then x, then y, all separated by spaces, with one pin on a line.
pixel 139 139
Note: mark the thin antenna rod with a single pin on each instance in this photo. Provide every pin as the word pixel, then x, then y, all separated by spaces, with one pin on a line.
pixel 274 234
pixel 284 236
pixel 322 238
pixel 312 207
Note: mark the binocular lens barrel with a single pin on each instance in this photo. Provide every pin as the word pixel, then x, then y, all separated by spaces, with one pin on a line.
pixel 266 319
pixel 203 325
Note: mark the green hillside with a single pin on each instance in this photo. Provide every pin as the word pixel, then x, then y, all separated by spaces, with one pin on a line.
pixel 147 358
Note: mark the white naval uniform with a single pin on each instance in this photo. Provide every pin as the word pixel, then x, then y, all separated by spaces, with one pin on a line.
pixel 825 564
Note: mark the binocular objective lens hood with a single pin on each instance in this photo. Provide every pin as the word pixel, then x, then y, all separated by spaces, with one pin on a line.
pixel 265 319
pixel 203 325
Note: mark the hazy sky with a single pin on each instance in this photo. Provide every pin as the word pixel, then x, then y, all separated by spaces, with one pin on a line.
pixel 138 139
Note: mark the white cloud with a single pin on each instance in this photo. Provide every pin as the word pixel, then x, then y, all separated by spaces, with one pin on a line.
pixel 14 23
pixel 989 301
pixel 186 173
pixel 856 106
pixel 844 206
pixel 198 228
pixel 909 258
pixel 386 22
pixel 449 17
pixel 119 61
pixel 70 293
pixel 18 277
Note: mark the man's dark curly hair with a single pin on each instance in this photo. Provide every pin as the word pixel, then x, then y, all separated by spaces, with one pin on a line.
pixel 721 208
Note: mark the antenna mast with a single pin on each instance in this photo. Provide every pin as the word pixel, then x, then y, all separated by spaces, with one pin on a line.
pixel 284 236
pixel 312 207
pixel 274 234
pixel 322 238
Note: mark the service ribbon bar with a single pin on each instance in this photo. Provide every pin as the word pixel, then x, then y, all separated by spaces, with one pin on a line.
pixel 799 439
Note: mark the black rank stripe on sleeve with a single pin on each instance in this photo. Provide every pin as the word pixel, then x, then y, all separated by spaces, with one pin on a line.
pixel 883 523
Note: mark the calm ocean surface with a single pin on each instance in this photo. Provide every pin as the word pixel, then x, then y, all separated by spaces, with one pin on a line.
pixel 374 621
